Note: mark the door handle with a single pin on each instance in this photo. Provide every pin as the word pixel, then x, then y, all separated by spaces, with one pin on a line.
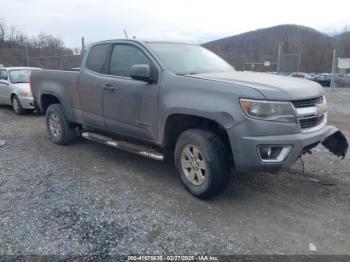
pixel 108 87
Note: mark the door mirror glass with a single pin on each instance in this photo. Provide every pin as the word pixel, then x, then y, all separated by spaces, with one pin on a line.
pixel 141 72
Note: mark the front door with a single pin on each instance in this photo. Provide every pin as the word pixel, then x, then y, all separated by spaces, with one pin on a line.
pixel 5 94
pixel 129 106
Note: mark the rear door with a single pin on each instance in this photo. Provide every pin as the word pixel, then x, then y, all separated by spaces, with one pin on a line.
pixel 130 106
pixel 90 87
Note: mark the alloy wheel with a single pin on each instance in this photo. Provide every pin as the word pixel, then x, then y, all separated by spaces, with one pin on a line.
pixel 193 164
pixel 55 125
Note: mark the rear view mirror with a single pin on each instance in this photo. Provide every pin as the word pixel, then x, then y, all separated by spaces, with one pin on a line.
pixel 141 72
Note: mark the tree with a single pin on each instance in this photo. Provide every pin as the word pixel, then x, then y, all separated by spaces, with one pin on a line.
pixel 45 50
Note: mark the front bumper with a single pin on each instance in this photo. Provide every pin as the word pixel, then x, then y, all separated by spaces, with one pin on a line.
pixel 27 102
pixel 246 156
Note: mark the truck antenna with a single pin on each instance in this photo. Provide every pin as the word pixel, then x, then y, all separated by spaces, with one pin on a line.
pixel 126 35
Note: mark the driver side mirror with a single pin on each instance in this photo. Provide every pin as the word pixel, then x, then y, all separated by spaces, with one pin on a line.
pixel 141 72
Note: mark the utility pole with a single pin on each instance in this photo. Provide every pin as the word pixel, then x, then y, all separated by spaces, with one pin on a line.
pixel 27 55
pixel 299 61
pixel 82 47
pixel 333 68
pixel 279 58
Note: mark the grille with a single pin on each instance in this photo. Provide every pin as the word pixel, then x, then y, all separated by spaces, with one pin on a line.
pixel 311 121
pixel 308 102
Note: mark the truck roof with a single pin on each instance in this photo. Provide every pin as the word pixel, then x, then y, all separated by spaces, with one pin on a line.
pixel 140 41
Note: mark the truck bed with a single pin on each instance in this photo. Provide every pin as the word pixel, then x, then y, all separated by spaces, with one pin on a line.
pixel 46 80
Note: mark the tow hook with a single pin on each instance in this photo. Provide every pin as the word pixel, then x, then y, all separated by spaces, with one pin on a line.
pixel 336 143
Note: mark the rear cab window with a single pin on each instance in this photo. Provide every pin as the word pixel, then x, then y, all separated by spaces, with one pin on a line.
pixel 97 58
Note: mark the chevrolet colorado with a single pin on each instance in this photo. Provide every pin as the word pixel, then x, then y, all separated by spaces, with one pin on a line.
pixel 162 99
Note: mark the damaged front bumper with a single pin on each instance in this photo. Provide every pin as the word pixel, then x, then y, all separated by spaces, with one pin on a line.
pixel 336 143
pixel 248 155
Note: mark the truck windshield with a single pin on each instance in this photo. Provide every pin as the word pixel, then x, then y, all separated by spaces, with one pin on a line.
pixel 188 59
pixel 19 76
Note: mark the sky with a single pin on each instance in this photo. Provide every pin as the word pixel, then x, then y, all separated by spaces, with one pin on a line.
pixel 181 20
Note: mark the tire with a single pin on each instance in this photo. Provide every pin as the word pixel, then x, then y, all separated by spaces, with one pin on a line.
pixel 58 126
pixel 17 106
pixel 37 109
pixel 212 169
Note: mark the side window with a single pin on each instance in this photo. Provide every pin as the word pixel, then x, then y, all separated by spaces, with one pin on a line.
pixel 97 57
pixel 3 75
pixel 123 57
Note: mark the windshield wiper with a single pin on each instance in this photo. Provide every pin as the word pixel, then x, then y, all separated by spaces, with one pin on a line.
pixel 190 73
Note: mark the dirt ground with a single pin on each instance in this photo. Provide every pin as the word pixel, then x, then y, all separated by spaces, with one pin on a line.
pixel 87 198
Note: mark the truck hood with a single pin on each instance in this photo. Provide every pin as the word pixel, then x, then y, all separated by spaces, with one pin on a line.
pixel 271 86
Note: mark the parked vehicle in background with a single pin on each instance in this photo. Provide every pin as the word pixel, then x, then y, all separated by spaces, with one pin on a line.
pixel 299 75
pixel 280 73
pixel 15 88
pixel 323 79
pixel 346 80
pixel 161 99
pixel 342 80
pixel 311 75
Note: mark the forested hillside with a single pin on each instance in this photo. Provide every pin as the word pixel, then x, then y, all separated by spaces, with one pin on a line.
pixel 257 46
pixel 262 45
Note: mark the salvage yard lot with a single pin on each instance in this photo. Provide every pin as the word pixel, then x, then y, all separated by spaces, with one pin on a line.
pixel 87 198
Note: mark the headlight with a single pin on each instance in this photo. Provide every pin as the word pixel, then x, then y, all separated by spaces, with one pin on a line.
pixel 25 94
pixel 268 110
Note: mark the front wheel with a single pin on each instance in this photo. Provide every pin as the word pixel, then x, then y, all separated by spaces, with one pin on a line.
pixel 17 106
pixel 58 126
pixel 202 162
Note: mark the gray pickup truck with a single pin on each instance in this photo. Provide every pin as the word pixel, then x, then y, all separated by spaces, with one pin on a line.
pixel 161 99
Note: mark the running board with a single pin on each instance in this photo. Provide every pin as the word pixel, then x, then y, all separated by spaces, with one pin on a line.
pixel 127 146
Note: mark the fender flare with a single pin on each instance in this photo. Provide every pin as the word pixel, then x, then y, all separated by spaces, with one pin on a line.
pixel 67 108
pixel 223 119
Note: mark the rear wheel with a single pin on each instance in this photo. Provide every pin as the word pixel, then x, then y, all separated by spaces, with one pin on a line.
pixel 58 126
pixel 17 106
pixel 202 162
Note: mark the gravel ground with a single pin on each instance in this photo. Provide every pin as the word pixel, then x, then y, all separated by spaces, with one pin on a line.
pixel 88 198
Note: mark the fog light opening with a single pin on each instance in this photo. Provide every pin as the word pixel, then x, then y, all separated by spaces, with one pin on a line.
pixel 273 153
